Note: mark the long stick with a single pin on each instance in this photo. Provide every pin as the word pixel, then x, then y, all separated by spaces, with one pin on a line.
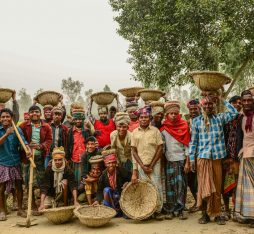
pixel 22 143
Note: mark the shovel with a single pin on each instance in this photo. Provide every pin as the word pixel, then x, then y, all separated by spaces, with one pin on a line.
pixel 28 222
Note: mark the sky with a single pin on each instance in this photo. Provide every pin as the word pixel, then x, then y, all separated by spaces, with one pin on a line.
pixel 45 41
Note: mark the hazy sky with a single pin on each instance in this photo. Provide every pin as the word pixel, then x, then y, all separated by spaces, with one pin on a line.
pixel 44 41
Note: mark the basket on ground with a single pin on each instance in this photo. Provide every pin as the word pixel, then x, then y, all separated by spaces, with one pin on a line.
pixel 94 216
pixel 59 215
pixel 139 201
pixel 5 95
pixel 130 92
pixel 103 98
pixel 209 80
pixel 150 94
pixel 48 98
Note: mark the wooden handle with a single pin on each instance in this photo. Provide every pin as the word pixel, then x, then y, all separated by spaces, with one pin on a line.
pixel 22 143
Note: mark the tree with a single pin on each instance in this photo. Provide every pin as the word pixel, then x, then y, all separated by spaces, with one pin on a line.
pixel 71 88
pixel 38 91
pixel 25 100
pixel 106 88
pixel 170 38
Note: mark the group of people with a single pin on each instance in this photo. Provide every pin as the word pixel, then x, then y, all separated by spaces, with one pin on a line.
pixel 86 159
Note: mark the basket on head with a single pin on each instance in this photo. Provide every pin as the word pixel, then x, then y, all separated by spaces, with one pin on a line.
pixel 5 95
pixel 48 98
pixel 252 90
pixel 103 98
pixel 209 80
pixel 94 216
pixel 59 215
pixel 139 201
pixel 149 95
pixel 130 92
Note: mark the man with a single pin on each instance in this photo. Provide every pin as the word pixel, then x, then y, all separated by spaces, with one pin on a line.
pixel 111 183
pixel 15 107
pixel 68 123
pixel 47 111
pixel 208 144
pixel 39 136
pixel 26 117
pixel 10 164
pixel 146 143
pixel 112 112
pixel 131 108
pixel 103 127
pixel 194 111
pixel 157 113
pixel 76 142
pixel 230 164
pixel 59 132
pixel 121 140
pixel 245 187
pixel 58 181
pixel 176 135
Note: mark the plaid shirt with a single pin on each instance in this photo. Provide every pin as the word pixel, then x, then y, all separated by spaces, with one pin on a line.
pixel 210 145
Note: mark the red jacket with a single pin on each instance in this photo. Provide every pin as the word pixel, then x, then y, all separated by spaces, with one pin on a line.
pixel 45 136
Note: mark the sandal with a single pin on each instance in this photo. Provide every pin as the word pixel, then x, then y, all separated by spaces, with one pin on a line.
pixel 204 219
pixel 22 213
pixel 220 220
pixel 3 216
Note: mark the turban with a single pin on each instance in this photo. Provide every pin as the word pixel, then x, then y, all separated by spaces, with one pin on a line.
pixel 131 106
pixel 157 107
pixel 58 153
pixel 122 118
pixel 26 115
pixel 110 158
pixel 78 113
pixel 146 110
pixel 171 105
pixel 102 109
pixel 47 108
pixel 96 159
pixel 57 109
pixel 193 102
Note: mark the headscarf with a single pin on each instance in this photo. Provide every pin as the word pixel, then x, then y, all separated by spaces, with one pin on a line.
pixel 249 114
pixel 193 102
pixel 78 114
pixel 102 109
pixel 47 108
pixel 157 107
pixel 110 158
pixel 171 105
pixel 122 118
pixel 57 109
pixel 146 110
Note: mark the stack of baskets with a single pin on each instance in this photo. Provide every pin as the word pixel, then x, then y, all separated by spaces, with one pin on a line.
pixel 130 94
pixel 94 216
pixel 59 215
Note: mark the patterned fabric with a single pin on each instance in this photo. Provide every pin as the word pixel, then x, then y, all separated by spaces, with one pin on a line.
pixel 245 189
pixel 210 144
pixel 39 171
pixel 79 146
pixel 8 175
pixel 176 186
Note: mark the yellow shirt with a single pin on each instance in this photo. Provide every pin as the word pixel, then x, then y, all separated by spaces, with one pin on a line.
pixel 146 141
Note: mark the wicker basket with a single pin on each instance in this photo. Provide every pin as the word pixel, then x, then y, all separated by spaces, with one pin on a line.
pixel 209 80
pixel 103 98
pixel 130 92
pixel 252 90
pixel 5 95
pixel 59 215
pixel 139 201
pixel 48 98
pixel 94 216
pixel 149 95
pixel 157 103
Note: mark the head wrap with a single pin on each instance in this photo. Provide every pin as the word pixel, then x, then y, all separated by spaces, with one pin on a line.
pixel 58 153
pixel 157 107
pixel 102 109
pixel 26 114
pixel 131 106
pixel 234 99
pixel 78 114
pixel 110 158
pixel 171 105
pixel 146 110
pixel 193 102
pixel 57 109
pixel 47 108
pixel 96 159
pixel 122 118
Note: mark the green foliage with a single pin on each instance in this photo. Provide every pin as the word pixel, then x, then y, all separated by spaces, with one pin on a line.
pixel 38 91
pixel 25 100
pixel 168 38
pixel 71 88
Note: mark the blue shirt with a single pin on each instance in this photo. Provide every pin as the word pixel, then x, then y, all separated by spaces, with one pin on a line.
pixel 210 144
pixel 9 150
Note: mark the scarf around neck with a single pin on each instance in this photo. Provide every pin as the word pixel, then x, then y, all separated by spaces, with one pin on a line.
pixel 58 176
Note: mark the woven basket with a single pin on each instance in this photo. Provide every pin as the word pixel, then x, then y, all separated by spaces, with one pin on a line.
pixel 94 216
pixel 209 80
pixel 59 215
pixel 252 90
pixel 130 92
pixel 5 95
pixel 48 98
pixel 139 201
pixel 103 98
pixel 149 95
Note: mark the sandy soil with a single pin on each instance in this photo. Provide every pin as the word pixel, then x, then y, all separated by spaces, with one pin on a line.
pixel 120 225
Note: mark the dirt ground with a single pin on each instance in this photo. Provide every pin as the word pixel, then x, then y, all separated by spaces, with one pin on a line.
pixel 123 226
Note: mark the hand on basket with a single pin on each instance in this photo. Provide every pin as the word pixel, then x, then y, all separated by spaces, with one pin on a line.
pixel 125 184
pixel 96 203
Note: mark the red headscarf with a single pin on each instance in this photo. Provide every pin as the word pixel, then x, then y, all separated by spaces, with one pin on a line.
pixel 179 129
